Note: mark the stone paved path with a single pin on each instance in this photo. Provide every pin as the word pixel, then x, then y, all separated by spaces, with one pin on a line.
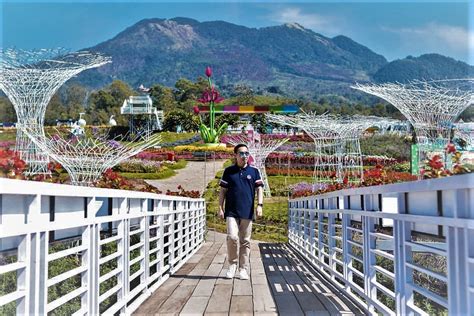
pixel 195 176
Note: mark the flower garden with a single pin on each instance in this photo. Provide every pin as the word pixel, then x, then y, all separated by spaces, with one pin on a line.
pixel 290 170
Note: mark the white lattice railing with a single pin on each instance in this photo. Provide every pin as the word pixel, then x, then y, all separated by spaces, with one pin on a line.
pixel 85 251
pixel 400 249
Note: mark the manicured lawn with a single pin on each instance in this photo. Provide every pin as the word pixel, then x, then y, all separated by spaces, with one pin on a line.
pixel 167 170
pixel 169 137
pixel 7 135
pixel 163 174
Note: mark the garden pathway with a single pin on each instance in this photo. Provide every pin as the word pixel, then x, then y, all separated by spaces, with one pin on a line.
pixel 280 284
pixel 195 176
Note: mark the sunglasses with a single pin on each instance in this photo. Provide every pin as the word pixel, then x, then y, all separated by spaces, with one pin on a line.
pixel 244 153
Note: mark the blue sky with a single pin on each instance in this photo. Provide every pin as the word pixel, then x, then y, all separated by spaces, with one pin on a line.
pixel 394 29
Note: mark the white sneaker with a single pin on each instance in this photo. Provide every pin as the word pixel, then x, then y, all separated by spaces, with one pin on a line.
pixel 243 274
pixel 231 272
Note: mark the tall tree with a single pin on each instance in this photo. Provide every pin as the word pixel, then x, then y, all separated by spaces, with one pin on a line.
pixel 55 110
pixel 185 120
pixel 163 98
pixel 107 102
pixel 7 112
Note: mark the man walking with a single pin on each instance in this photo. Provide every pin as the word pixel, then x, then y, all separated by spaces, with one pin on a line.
pixel 238 185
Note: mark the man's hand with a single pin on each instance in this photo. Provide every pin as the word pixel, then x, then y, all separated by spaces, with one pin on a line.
pixel 221 214
pixel 259 211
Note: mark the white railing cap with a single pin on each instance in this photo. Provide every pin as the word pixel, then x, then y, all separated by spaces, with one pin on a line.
pixel 465 181
pixel 22 187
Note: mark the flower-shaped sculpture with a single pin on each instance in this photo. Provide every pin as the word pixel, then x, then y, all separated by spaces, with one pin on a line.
pixel 338 156
pixel 430 106
pixel 211 134
pixel 86 158
pixel 29 79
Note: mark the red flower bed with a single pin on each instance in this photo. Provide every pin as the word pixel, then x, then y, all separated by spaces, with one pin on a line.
pixel 308 161
pixel 11 166
pixel 374 176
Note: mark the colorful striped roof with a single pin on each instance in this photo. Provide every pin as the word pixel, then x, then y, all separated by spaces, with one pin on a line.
pixel 243 109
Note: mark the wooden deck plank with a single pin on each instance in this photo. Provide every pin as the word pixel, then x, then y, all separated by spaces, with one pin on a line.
pixel 222 276
pixel 196 305
pixel 151 306
pixel 213 270
pixel 258 279
pixel 288 305
pixel 242 287
pixel 289 285
pixel 220 299
pixel 310 304
pixel 177 300
pixel 333 299
pixel 241 305
pixel 280 283
pixel 204 287
pixel 262 299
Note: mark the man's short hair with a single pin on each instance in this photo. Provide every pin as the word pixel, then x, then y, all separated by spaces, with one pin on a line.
pixel 236 148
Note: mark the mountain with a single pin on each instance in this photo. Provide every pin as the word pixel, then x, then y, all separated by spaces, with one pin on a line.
pixel 288 58
pixel 297 60
pixel 428 66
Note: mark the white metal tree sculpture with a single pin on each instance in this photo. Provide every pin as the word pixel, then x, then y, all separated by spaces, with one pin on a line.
pixel 430 106
pixel 87 158
pixel 259 150
pixel 29 79
pixel 351 130
pixel 337 143
pixel 327 140
pixel 337 146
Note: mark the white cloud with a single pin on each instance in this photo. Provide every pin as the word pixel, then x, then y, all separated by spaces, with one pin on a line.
pixel 435 37
pixel 327 25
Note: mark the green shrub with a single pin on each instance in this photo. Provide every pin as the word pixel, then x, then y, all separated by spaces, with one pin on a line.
pixel 386 145
pixel 400 167
pixel 164 173
pixel 180 164
pixel 169 137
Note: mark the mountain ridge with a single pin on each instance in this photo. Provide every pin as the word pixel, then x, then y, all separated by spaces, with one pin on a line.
pixel 299 61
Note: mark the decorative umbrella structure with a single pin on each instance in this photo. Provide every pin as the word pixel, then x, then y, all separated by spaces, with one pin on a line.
pixel 29 79
pixel 86 158
pixel 338 157
pixel 259 150
pixel 430 106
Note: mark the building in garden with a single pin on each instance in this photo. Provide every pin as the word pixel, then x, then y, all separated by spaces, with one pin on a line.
pixel 144 118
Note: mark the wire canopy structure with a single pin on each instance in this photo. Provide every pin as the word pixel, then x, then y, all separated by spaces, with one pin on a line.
pixel 29 79
pixel 259 150
pixel 430 106
pixel 87 158
pixel 338 156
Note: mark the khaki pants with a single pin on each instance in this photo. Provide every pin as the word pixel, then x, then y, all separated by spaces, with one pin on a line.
pixel 238 230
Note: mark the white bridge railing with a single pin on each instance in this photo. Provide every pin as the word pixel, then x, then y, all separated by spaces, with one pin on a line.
pixel 85 251
pixel 400 249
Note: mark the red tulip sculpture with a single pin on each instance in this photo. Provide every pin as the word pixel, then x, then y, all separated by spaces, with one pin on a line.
pixel 210 96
